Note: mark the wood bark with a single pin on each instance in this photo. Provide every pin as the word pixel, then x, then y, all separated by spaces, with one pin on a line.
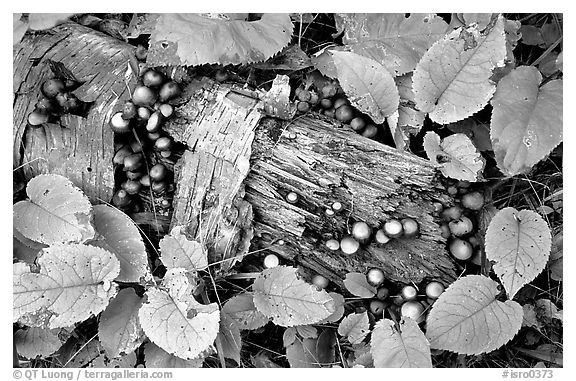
pixel 76 147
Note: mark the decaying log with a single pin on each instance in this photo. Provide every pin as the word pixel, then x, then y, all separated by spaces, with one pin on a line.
pixel 78 148
pixel 322 162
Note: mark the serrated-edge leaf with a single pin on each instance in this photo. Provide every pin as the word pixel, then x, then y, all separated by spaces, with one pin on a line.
pixel 368 85
pixel 161 315
pixel 74 282
pixel 355 327
pixel 357 284
pixel 57 212
pixel 281 295
pixel 32 342
pixel 119 330
pixel 519 243
pixel 467 318
pixel 178 251
pixel 407 348
pixel 120 235
pixel 241 308
pixel 526 121
pixel 452 80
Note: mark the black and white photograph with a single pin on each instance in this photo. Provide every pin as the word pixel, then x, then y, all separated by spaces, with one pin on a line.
pixel 287 190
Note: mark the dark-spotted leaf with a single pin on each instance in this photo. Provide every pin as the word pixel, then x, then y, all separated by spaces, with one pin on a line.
pixel 241 308
pixel 74 283
pixel 452 80
pixel 467 318
pixel 526 119
pixel 392 39
pixel 119 330
pixel 32 342
pixel 57 212
pixel 192 39
pixel 230 339
pixel 404 348
pixel 357 284
pixel 156 357
pixel 197 324
pixel 519 243
pixel 355 327
pixel 177 251
pixel 369 86
pixel 456 156
pixel 281 295
pixel 120 235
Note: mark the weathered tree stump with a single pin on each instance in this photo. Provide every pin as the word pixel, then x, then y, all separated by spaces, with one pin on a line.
pixel 322 162
pixel 78 148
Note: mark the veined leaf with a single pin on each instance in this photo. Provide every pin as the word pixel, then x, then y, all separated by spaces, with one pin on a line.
pixel 452 80
pixel 467 318
pixel 281 295
pixel 178 251
pixel 519 243
pixel 74 283
pixel 241 308
pixel 355 327
pixel 392 39
pixel 57 212
pixel 192 39
pixel 32 342
pixel 404 348
pixel 526 120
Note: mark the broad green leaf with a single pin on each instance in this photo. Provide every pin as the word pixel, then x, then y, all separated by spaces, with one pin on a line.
pixel 196 324
pixel 467 318
pixel 119 330
pixel 392 39
pixel 74 283
pixel 192 39
pixel 32 342
pixel 120 235
pixel 403 348
pixel 526 119
pixel 452 80
pixel 369 86
pixel 302 354
pixel 519 243
pixel 156 357
pixel 40 21
pixel 241 308
pixel 355 327
pixel 281 295
pixel 456 156
pixel 230 338
pixel 56 212
pixel 179 251
pixel 357 284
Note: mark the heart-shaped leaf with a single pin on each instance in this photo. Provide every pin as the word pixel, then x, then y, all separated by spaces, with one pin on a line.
pixel 526 119
pixel 355 327
pixel 519 243
pixel 57 212
pixel 74 283
pixel 403 348
pixel 192 39
pixel 197 325
pixel 452 80
pixel 241 308
pixel 119 235
pixel 281 295
pixel 467 318
pixel 368 85
pixel 357 284
pixel 119 330
pixel 177 251
pixel 456 156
